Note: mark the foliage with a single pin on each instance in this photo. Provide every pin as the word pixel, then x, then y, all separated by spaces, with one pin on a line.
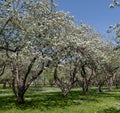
pixel 36 40
pixel 115 27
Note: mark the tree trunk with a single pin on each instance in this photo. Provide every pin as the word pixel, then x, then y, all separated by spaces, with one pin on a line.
pixel 100 88
pixel 117 84
pixel 9 84
pixel 7 81
pixel 85 86
pixel 110 83
pixel 20 95
pixel 85 81
pixel 65 93
pixel 4 84
pixel 51 84
pixel 20 98
pixel 60 83
pixel 85 89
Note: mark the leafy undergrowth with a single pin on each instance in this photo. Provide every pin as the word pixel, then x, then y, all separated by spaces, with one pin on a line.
pixel 50 100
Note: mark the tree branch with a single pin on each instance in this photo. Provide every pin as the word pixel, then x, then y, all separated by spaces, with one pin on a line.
pixel 2 70
pixel 29 69
pixel 9 19
pixel 11 50
pixel 32 79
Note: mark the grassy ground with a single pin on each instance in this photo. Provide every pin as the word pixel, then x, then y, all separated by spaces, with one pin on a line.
pixel 50 100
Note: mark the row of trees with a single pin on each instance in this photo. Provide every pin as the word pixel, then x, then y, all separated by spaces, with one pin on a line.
pixel 35 39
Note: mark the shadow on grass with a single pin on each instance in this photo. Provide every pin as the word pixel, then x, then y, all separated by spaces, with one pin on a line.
pixel 5 91
pixel 110 110
pixel 45 101
pixel 115 93
pixel 50 100
pixel 6 102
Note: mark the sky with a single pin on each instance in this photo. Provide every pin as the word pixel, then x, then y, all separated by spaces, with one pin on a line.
pixel 95 13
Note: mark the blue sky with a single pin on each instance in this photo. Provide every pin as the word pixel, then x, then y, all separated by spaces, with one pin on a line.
pixel 92 12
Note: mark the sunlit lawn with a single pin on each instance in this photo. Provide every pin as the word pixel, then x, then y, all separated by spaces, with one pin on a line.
pixel 50 100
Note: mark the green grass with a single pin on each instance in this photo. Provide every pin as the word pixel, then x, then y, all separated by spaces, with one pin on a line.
pixel 50 100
